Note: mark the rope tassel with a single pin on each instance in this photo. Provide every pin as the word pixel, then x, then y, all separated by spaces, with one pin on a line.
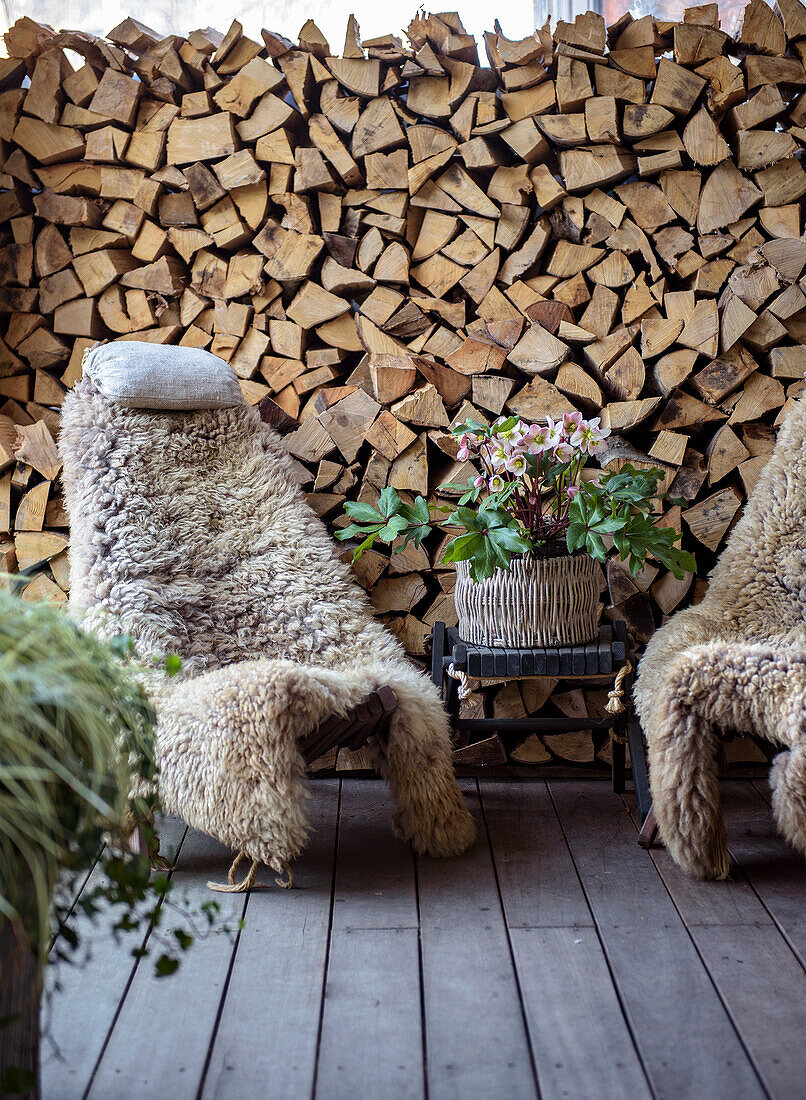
pixel 248 881
pixel 615 697
pixel 465 689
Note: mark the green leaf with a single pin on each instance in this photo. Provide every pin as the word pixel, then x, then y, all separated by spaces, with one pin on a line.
pixel 471 427
pixel 462 547
pixel 365 545
pixel 165 965
pixel 575 536
pixel 596 548
pixel 389 502
pixel 173 664
pixel 352 530
pixel 395 525
pixel 508 538
pixel 421 510
pixel 362 512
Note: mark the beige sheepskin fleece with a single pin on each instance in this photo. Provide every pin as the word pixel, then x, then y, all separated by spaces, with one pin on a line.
pixel 735 663
pixel 189 533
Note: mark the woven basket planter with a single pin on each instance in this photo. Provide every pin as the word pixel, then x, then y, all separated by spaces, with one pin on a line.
pixel 537 602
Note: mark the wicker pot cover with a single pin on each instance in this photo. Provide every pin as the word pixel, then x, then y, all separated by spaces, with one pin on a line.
pixel 537 602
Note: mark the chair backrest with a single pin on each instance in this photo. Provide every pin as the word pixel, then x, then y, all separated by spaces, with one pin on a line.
pixel 758 585
pixel 190 533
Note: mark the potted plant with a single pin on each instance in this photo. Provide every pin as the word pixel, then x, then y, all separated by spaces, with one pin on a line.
pixel 533 522
pixel 77 776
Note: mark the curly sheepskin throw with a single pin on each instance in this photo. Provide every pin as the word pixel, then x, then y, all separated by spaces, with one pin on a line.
pixel 189 533
pixel 736 662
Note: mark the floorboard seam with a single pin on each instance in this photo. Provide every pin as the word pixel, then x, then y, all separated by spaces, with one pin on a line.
pixel 605 954
pixel 130 979
pixel 421 969
pixel 705 966
pixel 515 973
pixel 74 902
pixel 315 1082
pixel 222 1001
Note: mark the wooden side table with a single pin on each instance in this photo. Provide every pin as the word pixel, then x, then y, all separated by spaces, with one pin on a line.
pixel 455 663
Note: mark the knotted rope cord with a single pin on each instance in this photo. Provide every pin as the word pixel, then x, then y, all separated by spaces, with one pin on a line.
pixel 615 697
pixel 248 881
pixel 465 689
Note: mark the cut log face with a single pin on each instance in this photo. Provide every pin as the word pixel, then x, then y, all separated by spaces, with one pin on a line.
pixel 608 219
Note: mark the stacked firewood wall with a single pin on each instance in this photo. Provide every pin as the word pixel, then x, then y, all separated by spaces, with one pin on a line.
pixel 387 237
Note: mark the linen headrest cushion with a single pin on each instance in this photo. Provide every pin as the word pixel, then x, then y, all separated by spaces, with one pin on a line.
pixel 142 375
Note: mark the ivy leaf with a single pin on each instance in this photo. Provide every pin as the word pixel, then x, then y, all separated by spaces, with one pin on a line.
pixel 184 940
pixel 165 965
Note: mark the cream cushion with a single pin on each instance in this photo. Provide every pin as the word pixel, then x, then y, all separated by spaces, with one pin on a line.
pixel 142 375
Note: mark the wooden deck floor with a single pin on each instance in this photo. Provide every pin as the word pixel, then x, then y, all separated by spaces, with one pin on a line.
pixel 555 959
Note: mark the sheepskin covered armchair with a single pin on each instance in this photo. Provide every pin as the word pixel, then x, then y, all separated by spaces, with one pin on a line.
pixel 736 662
pixel 189 533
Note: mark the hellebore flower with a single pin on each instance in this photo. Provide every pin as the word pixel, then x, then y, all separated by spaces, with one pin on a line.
pixel 589 437
pixel 516 463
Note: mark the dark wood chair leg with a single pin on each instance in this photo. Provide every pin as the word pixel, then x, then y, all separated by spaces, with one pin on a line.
pixel 618 765
pixel 639 770
pixel 439 644
pixel 370 718
pixel 649 830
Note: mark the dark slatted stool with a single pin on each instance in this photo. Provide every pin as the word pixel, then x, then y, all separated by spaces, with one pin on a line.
pixel 605 657
pixel 370 718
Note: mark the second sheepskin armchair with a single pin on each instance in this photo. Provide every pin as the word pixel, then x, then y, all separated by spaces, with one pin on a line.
pixel 190 534
pixel 736 662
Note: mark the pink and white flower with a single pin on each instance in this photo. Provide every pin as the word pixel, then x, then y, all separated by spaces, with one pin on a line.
pixel 480 481
pixel 514 435
pixel 498 456
pixel 564 452
pixel 539 441
pixel 589 437
pixel 516 463
pixel 554 432
pixel 496 484
pixel 571 421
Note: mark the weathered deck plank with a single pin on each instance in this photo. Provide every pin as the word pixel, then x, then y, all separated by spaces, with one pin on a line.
pixel 758 975
pixel 580 1041
pixel 666 992
pixel 267 1036
pixel 774 870
pixel 161 1037
pixel 89 992
pixel 556 957
pixel 476 1041
pixel 539 883
pixel 371 1041
pixel 764 989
